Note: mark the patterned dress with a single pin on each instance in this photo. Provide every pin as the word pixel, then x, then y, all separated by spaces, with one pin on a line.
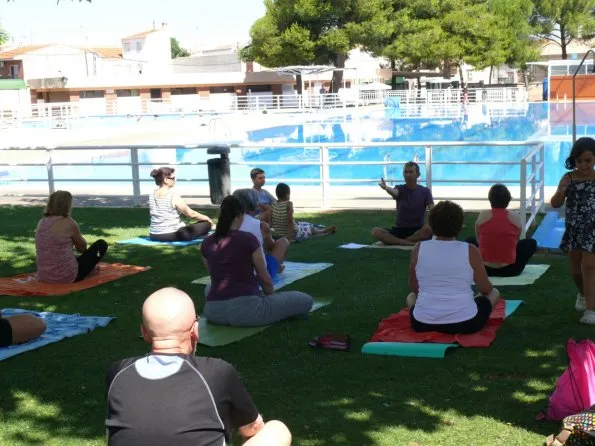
pixel 580 217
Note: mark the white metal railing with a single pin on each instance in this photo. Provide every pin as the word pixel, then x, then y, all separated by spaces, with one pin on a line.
pixel 530 180
pixel 183 104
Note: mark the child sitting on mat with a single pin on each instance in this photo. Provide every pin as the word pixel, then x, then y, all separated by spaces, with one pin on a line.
pixel 577 189
pixel 441 275
pixel 285 225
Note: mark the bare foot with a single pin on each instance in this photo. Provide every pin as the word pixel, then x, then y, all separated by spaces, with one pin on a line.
pixel 331 229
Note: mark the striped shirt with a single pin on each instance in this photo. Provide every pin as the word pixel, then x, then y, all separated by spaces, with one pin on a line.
pixel 165 218
pixel 279 217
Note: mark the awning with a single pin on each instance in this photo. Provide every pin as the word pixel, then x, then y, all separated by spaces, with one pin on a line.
pixel 12 84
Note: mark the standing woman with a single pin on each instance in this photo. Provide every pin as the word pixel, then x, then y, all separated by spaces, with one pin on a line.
pixel 166 206
pixel 55 236
pixel 231 256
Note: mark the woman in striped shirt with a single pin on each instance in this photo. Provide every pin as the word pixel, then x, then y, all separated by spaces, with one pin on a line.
pixel 166 206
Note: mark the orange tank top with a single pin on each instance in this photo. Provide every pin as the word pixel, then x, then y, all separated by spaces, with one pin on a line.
pixel 498 238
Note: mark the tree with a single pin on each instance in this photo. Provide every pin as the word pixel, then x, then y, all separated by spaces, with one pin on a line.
pixel 3 36
pixel 304 32
pixel 449 33
pixel 177 50
pixel 563 21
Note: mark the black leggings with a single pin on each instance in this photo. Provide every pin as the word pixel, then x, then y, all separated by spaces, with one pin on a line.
pixel 473 325
pixel 89 259
pixel 525 249
pixel 184 234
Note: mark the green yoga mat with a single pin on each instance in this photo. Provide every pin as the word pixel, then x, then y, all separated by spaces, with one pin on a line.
pixel 528 276
pixel 423 349
pixel 217 335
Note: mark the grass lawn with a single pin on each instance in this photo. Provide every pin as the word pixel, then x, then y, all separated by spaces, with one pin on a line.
pixel 56 395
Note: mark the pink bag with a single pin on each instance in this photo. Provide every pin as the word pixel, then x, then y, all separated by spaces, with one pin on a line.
pixel 575 389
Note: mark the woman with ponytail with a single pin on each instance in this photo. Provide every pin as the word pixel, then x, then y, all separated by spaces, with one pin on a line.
pixel 231 256
pixel 166 206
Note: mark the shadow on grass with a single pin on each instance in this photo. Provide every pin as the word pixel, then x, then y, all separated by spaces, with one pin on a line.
pixel 57 393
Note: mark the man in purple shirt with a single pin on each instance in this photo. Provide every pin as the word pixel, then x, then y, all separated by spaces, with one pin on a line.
pixel 412 201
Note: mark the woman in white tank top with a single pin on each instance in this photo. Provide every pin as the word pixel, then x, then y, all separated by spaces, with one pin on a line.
pixel 441 275
pixel 166 206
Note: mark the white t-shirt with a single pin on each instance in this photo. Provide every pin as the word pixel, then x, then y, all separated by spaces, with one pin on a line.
pixel 445 277
pixel 252 225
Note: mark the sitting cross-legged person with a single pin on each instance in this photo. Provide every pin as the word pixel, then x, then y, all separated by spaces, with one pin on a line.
pixel 497 236
pixel 172 397
pixel 441 276
pixel 56 234
pixel 275 251
pixel 165 207
pixel 412 201
pixel 19 329
pixel 284 222
pixel 231 257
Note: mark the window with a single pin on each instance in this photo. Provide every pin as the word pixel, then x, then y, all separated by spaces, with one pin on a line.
pixel 91 94
pixel 155 93
pixel 127 47
pixel 14 71
pixel 139 46
pixel 185 90
pixel 228 89
pixel 127 93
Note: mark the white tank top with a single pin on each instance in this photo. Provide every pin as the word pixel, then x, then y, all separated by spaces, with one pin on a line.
pixel 252 225
pixel 165 218
pixel 445 278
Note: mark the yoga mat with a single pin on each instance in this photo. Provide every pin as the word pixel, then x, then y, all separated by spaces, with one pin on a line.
pixel 354 246
pixel 148 242
pixel 427 348
pixel 293 271
pixel 380 245
pixel 217 335
pixel 59 326
pixel 528 276
pixel 28 285
pixel 550 231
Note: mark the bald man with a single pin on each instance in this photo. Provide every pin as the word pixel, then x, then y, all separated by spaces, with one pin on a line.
pixel 171 397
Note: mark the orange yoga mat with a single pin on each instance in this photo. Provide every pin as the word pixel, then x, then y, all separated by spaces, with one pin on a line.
pixel 28 285
pixel 397 328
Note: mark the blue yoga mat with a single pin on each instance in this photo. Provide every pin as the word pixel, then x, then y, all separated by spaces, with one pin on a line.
pixel 59 326
pixel 147 241
pixel 550 231
pixel 423 349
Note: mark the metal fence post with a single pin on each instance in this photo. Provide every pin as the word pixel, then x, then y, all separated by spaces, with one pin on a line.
pixel 135 176
pixel 533 188
pixel 523 210
pixel 542 177
pixel 50 170
pixel 324 176
pixel 429 167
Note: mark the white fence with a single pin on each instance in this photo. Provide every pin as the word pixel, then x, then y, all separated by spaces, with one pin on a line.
pixel 61 113
pixel 530 182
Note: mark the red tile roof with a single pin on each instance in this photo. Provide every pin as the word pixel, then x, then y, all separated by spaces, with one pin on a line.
pixel 108 53
pixel 11 54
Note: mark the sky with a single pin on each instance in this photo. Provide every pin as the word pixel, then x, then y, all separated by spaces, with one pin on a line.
pixel 105 22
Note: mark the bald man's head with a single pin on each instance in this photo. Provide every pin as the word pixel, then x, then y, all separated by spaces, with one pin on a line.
pixel 168 312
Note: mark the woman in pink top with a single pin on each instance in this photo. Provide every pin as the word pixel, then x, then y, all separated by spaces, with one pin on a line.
pixel 55 236
pixel 497 232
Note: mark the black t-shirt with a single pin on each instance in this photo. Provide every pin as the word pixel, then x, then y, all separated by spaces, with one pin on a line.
pixel 175 400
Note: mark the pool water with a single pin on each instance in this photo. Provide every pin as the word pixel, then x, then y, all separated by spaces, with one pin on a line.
pixel 479 123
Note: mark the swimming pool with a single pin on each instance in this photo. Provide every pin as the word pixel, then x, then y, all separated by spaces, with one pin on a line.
pixel 479 123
